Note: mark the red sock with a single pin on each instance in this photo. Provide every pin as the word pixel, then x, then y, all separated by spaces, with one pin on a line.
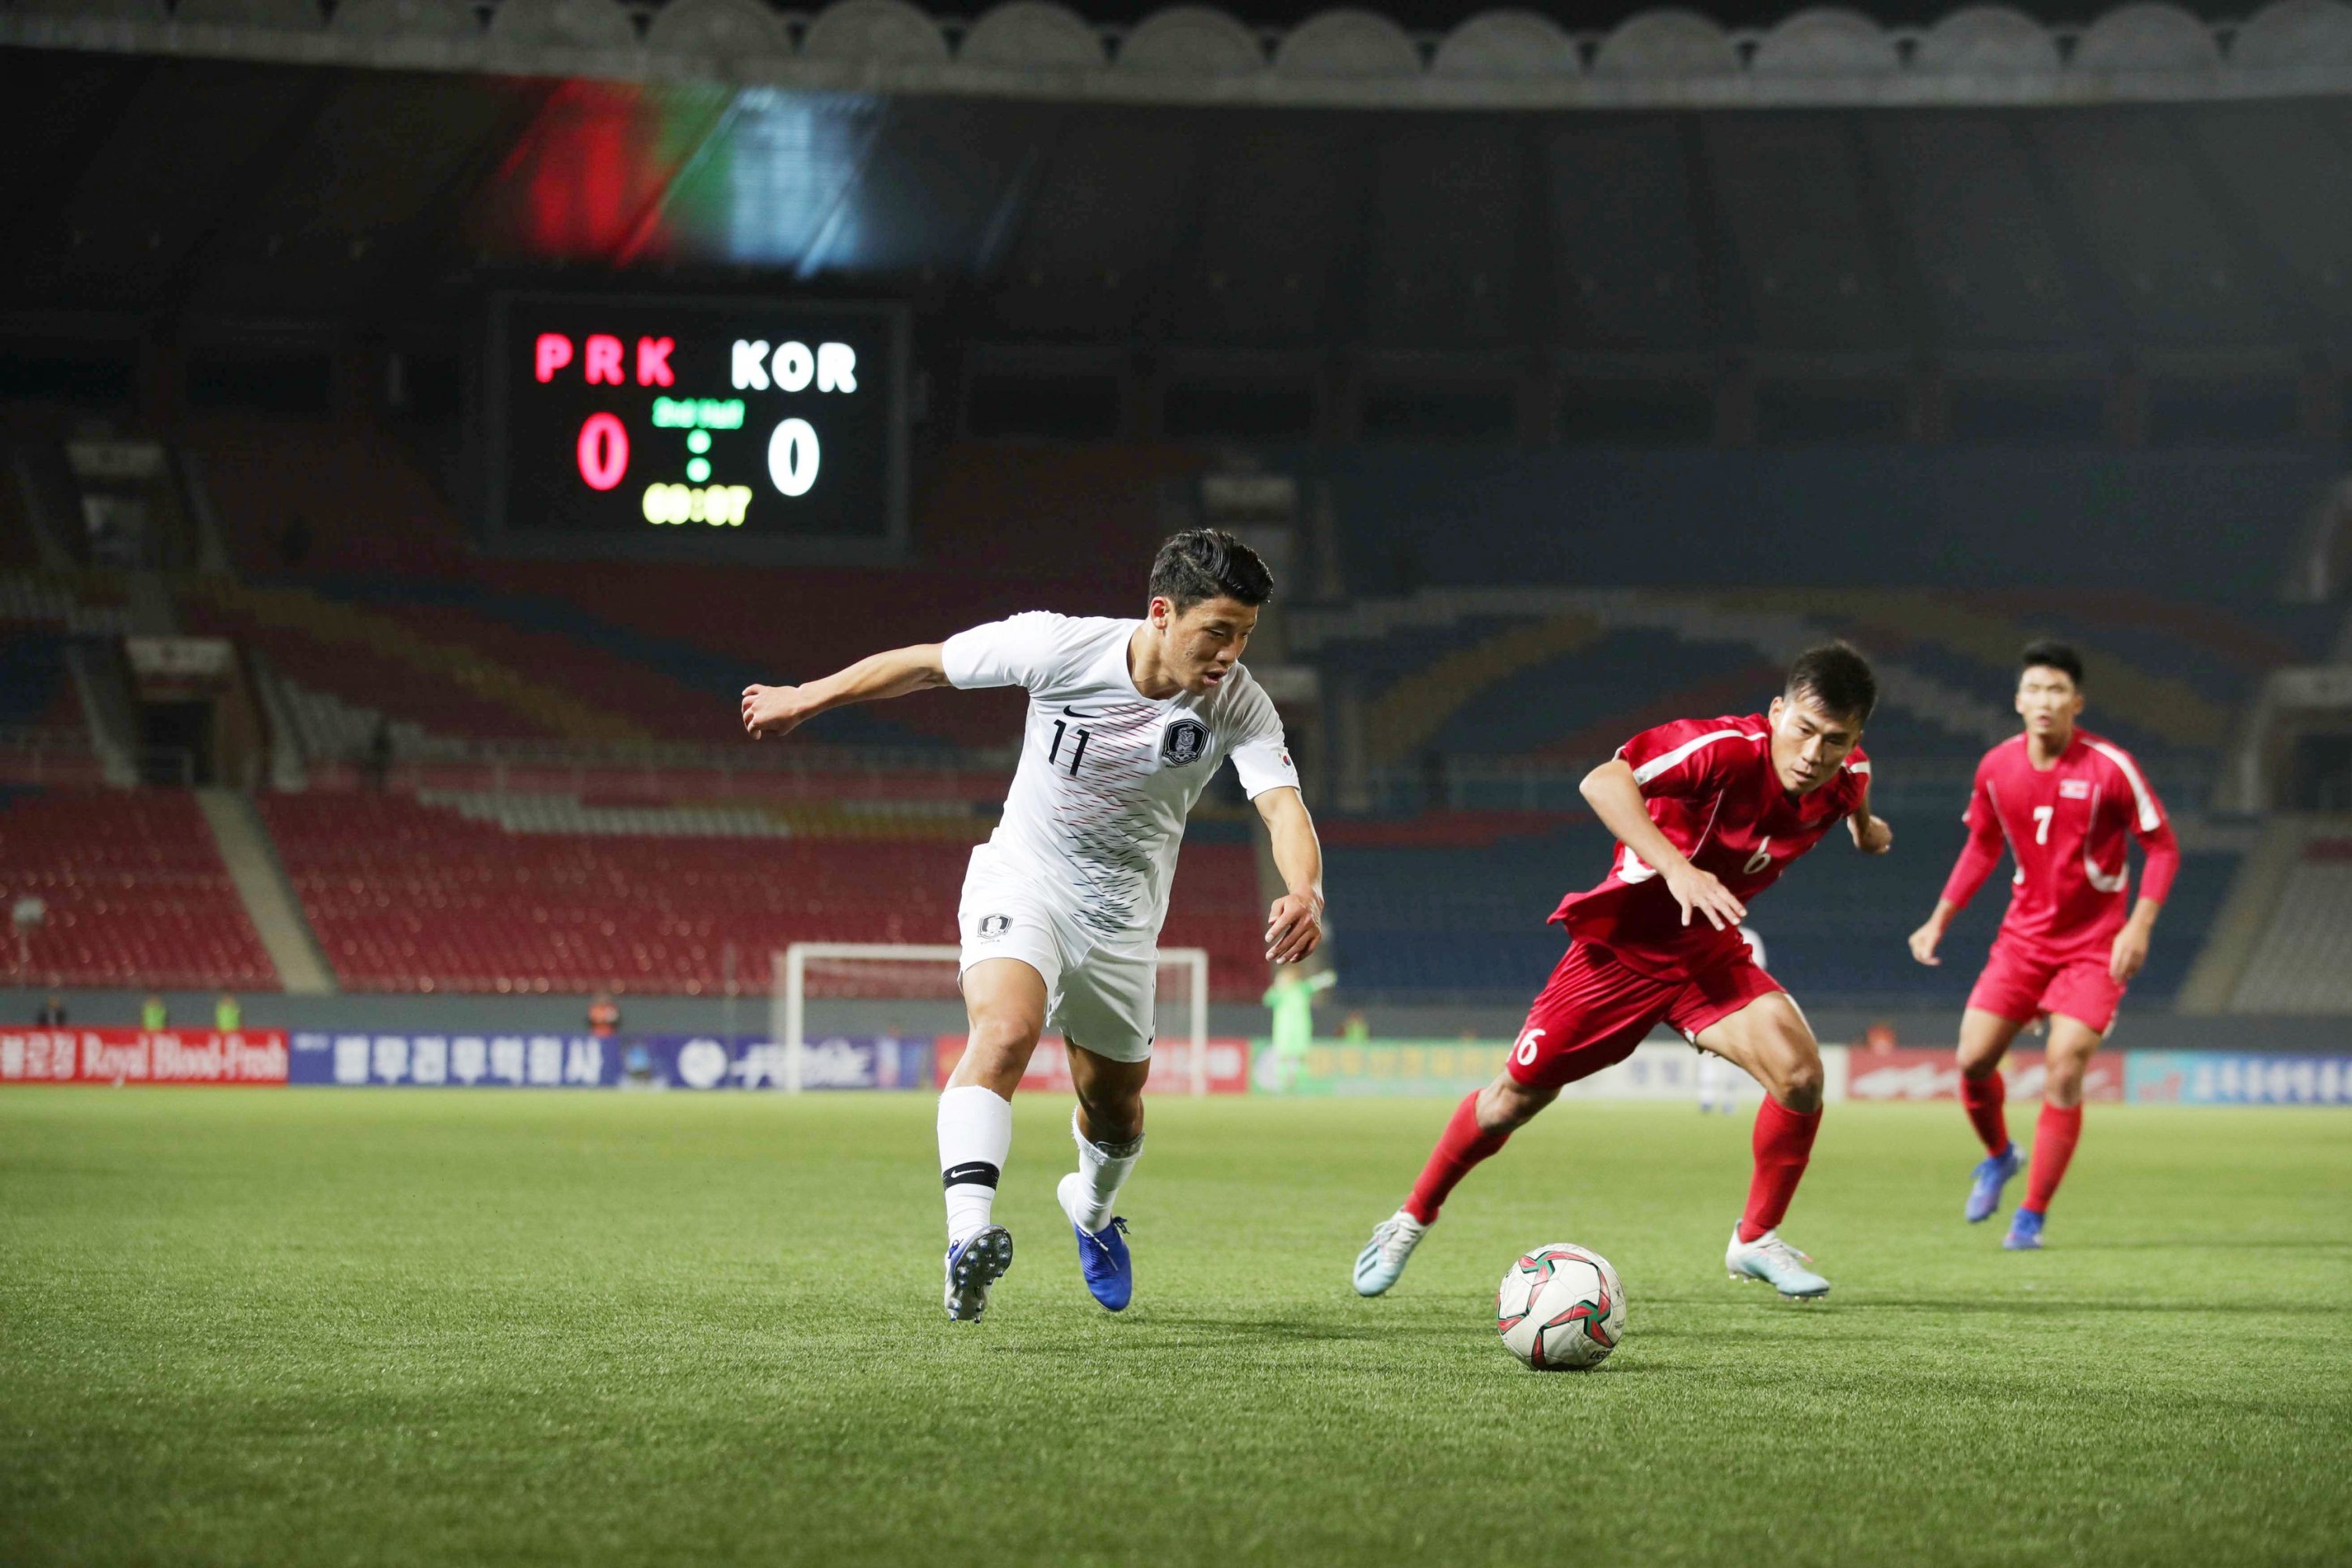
pixel 1783 1142
pixel 1987 1100
pixel 1462 1145
pixel 2053 1145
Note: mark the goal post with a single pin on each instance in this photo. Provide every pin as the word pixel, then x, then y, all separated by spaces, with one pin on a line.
pixel 788 1019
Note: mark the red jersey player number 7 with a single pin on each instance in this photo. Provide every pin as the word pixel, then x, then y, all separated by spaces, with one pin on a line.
pixel 1707 814
pixel 2066 804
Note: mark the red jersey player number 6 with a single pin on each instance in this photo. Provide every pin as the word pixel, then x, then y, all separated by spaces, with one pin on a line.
pixel 1709 812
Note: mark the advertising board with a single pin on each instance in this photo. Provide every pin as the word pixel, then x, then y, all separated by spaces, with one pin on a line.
pixel 138 1055
pixel 1171 1065
pixel 583 1061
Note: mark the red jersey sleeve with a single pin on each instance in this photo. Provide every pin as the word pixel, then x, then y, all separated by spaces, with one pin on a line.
pixel 1689 757
pixel 1854 775
pixel 1982 853
pixel 2149 824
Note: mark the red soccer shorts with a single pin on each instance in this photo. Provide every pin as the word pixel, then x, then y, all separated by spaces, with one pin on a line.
pixel 2020 983
pixel 1595 1009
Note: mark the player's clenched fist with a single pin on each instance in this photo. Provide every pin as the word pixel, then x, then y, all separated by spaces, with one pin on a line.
pixel 1925 941
pixel 772 710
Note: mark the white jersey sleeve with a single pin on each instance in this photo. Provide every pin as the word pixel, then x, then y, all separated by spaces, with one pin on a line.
pixel 1261 757
pixel 1031 649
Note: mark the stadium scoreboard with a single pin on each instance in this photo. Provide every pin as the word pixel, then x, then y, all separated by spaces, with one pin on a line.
pixel 638 422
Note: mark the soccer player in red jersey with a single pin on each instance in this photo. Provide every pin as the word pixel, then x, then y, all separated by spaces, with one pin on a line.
pixel 2067 803
pixel 1707 814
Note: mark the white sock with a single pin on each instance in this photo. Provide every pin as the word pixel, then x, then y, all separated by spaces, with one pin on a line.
pixel 1102 1171
pixel 975 1134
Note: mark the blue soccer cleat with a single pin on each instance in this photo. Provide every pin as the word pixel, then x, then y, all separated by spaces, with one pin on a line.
pixel 1103 1260
pixel 1993 1173
pixel 1776 1263
pixel 2024 1232
pixel 973 1264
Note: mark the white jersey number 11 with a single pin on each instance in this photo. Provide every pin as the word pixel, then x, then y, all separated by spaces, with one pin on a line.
pixel 1077 751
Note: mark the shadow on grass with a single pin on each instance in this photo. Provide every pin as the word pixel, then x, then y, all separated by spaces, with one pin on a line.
pixel 1188 1332
pixel 1293 1329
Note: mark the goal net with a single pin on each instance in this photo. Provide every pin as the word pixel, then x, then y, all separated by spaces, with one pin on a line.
pixel 823 989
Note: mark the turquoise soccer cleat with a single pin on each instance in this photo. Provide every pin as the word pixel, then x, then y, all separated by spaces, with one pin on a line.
pixel 1776 1263
pixel 973 1264
pixel 1382 1261
pixel 1992 1175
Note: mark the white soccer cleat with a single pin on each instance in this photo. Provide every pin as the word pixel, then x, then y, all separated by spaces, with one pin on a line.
pixel 1382 1261
pixel 1776 1263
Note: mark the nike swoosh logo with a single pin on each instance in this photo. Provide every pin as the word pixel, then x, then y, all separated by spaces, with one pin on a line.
pixel 1076 714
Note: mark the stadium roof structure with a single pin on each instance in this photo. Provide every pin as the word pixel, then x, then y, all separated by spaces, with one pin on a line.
pixel 2144 51
pixel 188 194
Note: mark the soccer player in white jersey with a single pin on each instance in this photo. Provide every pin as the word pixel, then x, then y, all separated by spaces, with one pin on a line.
pixel 1062 907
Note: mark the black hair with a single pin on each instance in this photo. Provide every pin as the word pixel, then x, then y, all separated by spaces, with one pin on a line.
pixel 1837 678
pixel 1209 563
pixel 2047 653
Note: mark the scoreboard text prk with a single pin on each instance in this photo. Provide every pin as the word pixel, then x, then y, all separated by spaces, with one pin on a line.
pixel 642 416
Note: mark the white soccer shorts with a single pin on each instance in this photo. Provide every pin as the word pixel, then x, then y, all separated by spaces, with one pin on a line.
pixel 1102 1000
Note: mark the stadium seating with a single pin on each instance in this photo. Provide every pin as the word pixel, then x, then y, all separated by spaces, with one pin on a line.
pixel 389 615
pixel 1431 920
pixel 323 496
pixel 19 552
pixel 480 893
pixel 136 892
pixel 1556 678
pixel 619 657
pixel 1577 708
pixel 389 618
pixel 384 610
pixel 43 735
pixel 2207 528
pixel 2304 962
pixel 35 689
pixel 1094 512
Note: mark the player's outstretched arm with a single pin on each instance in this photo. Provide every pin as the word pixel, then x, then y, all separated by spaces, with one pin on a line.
pixel 1616 799
pixel 780 709
pixel 1294 926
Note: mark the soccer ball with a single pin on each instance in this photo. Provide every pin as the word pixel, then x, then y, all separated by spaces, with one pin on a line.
pixel 1561 1307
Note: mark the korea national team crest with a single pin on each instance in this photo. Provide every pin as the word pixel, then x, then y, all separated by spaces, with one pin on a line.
pixel 1183 743
pixel 993 926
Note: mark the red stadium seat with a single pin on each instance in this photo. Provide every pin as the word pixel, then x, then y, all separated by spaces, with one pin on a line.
pixel 408 896
pixel 136 890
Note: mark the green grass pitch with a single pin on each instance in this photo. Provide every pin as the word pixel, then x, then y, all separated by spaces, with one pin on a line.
pixel 386 1327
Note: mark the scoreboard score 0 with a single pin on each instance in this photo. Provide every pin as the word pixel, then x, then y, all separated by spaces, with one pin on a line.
pixel 631 421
